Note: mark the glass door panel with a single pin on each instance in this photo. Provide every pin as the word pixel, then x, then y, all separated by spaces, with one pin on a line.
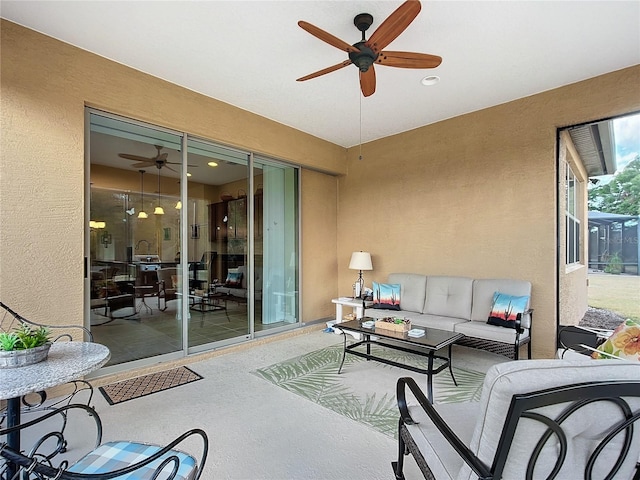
pixel 134 239
pixel 185 249
pixel 275 241
pixel 217 246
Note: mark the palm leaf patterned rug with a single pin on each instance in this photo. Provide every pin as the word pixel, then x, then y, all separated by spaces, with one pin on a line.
pixel 365 390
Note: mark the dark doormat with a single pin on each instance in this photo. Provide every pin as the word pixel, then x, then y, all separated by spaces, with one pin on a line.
pixel 146 385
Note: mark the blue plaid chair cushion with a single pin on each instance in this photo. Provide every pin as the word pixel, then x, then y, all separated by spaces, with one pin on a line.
pixel 112 456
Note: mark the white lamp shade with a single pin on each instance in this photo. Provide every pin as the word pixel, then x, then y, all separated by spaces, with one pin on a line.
pixel 360 261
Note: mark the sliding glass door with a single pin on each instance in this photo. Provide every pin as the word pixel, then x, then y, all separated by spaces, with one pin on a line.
pixel 275 244
pixel 134 238
pixel 190 244
pixel 218 244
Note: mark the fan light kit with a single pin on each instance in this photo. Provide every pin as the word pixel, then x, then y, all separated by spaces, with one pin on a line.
pixel 365 53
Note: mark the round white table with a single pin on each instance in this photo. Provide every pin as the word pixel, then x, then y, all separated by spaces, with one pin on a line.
pixel 67 361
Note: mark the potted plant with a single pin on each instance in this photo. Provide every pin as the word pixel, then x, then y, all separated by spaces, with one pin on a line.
pixel 24 346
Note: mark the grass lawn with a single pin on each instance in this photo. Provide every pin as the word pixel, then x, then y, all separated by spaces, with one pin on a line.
pixel 618 293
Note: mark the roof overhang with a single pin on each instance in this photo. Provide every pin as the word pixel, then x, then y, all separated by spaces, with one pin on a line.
pixel 600 218
pixel 595 144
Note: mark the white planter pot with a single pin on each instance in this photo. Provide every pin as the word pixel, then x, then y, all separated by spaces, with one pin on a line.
pixel 22 358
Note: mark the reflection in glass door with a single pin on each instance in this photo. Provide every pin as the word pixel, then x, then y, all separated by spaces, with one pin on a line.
pixel 218 244
pixel 134 239
pixel 190 244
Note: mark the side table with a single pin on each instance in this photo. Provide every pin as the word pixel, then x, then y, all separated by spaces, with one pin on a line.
pixel 357 304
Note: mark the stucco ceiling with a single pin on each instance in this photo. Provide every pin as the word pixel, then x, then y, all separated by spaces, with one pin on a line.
pixel 249 54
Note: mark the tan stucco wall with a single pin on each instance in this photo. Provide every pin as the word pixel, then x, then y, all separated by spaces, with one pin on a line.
pixel 320 237
pixel 474 195
pixel 45 85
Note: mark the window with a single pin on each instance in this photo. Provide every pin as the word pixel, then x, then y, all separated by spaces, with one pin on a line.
pixel 573 222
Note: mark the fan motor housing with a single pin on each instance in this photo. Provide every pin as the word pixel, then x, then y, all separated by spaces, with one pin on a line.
pixel 364 58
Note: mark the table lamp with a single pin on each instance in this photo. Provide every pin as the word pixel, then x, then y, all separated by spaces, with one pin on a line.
pixel 360 261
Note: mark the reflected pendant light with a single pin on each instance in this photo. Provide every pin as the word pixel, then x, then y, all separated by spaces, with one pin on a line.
pixel 142 213
pixel 158 210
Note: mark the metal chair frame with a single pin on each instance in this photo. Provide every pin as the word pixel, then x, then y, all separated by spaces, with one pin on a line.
pixel 78 386
pixel 576 396
pixel 36 463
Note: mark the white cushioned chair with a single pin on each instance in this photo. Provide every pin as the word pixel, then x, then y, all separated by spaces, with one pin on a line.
pixel 536 419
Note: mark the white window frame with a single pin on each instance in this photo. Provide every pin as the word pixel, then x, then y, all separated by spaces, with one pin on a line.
pixel 573 223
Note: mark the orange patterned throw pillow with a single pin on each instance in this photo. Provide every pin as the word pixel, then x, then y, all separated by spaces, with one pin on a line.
pixel 623 343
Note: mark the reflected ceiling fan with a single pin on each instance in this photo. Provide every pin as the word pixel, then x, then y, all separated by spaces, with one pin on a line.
pixel 365 53
pixel 159 161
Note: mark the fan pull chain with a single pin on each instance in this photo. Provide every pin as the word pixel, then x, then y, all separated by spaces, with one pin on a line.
pixel 360 97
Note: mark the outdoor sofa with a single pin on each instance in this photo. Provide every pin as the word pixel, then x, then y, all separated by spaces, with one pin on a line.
pixel 461 305
pixel 236 286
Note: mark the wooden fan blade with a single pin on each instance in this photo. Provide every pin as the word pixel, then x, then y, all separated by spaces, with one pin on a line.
pixel 178 163
pixel 327 37
pixel 162 156
pixel 324 71
pixel 368 82
pixel 137 158
pixel 146 164
pixel 393 26
pixel 169 168
pixel 408 60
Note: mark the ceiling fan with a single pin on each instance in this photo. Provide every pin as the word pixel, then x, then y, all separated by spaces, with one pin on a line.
pixel 159 161
pixel 365 53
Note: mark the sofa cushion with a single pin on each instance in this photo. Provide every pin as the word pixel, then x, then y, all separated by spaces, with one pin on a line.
pixel 386 296
pixel 449 297
pixel 489 332
pixel 517 377
pixel 483 290
pixel 506 308
pixel 623 343
pixel 412 290
pixel 440 322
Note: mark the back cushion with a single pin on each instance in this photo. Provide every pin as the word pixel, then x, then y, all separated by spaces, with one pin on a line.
pixel 412 290
pixel 449 296
pixel 584 429
pixel 483 290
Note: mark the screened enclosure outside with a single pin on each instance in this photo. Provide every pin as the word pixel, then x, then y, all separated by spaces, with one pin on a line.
pixel 190 244
pixel 613 243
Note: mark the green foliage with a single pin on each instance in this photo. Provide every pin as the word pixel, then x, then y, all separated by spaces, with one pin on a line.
pixel 24 337
pixel 621 195
pixel 614 265
pixel 8 341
